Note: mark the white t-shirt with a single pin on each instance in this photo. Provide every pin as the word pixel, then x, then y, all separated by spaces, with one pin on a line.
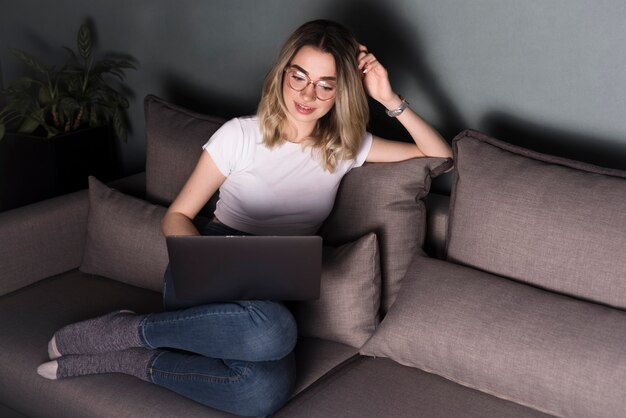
pixel 282 191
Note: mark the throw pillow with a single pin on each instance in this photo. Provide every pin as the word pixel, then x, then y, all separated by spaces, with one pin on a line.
pixel 124 240
pixel 347 310
pixel 387 199
pixel 174 139
pixel 537 348
pixel 549 221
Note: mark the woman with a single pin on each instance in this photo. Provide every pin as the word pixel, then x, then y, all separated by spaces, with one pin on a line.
pixel 308 133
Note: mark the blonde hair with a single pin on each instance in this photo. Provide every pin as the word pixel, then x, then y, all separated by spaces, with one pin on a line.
pixel 339 133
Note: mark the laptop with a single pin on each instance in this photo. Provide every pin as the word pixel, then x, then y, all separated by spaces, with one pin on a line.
pixel 208 269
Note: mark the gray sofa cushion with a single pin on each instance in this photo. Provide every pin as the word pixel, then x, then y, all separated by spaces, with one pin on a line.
pixel 124 240
pixel 551 352
pixel 174 139
pixel 385 198
pixel 6 412
pixel 347 310
pixel 552 222
pixel 376 387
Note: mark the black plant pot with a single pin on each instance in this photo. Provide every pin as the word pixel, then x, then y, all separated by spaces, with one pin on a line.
pixel 34 168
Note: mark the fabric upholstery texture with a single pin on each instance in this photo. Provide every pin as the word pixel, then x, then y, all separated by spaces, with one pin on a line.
pixel 377 387
pixel 347 311
pixel 552 222
pixel 41 240
pixel 174 139
pixel 6 412
pixel 387 199
pixel 548 351
pixel 437 207
pixel 124 239
pixel 316 357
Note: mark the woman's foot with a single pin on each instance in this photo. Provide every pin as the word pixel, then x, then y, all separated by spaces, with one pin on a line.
pixel 133 361
pixel 48 370
pixel 112 332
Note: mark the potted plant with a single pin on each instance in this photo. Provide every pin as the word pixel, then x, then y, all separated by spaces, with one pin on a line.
pixel 55 126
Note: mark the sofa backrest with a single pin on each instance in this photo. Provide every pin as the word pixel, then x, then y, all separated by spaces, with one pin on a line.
pixel 551 222
pixel 174 139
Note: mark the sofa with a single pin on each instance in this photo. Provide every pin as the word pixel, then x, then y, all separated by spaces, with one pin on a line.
pixel 504 299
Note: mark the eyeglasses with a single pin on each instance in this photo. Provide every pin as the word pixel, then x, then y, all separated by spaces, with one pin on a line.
pixel 299 80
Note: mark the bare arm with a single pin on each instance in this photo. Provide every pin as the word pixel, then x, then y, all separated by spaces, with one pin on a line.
pixel 428 142
pixel 204 181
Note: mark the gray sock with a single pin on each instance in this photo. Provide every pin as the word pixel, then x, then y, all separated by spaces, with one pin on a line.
pixel 112 332
pixel 133 361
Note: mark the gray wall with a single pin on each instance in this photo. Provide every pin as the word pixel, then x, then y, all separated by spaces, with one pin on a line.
pixel 547 74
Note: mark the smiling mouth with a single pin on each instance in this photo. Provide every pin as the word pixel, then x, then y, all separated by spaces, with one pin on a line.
pixel 304 109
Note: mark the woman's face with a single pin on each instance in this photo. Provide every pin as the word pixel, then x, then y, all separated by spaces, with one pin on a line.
pixel 304 108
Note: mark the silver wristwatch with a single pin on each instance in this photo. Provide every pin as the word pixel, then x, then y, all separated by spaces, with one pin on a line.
pixel 397 111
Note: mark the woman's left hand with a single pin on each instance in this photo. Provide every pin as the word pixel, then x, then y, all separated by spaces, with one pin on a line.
pixel 375 78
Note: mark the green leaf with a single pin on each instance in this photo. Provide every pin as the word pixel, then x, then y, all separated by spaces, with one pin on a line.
pixel 84 41
pixel 44 96
pixel 118 126
pixel 52 132
pixel 28 125
pixel 21 83
pixel 29 60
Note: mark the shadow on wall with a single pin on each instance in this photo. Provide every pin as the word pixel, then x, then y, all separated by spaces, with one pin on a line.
pixel 555 141
pixel 200 99
pixel 393 40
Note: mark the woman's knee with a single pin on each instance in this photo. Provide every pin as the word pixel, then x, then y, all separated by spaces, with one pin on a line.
pixel 269 386
pixel 275 332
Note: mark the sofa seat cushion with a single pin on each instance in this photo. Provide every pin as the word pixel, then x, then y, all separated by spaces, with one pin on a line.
pixel 6 412
pixel 551 352
pixel 378 387
pixel 316 357
pixel 30 316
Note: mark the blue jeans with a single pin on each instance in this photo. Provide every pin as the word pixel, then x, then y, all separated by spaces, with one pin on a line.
pixel 236 356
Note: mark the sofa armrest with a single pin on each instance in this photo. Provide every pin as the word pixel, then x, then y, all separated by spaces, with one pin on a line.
pixel 42 240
